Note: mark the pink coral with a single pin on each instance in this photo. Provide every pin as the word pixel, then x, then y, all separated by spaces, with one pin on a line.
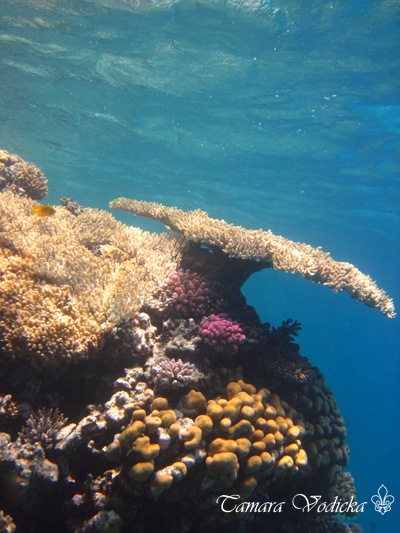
pixel 222 333
pixel 189 293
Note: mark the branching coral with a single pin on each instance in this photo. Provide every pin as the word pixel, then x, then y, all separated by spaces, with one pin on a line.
pixel 8 409
pixel 171 374
pixel 43 427
pixel 189 293
pixel 39 318
pixel 258 245
pixel 68 280
pixel 21 177
pixel 222 333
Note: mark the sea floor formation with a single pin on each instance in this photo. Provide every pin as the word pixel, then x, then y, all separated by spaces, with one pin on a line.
pixel 130 406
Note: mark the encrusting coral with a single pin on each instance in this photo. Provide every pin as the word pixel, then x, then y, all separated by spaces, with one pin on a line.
pixel 258 245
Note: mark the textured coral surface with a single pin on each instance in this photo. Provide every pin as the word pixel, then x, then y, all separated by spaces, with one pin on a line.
pixel 137 387
pixel 273 250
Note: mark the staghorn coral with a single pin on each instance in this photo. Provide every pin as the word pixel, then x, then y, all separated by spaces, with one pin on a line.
pixel 69 280
pixel 258 245
pixel 222 333
pixel 21 177
pixel 43 427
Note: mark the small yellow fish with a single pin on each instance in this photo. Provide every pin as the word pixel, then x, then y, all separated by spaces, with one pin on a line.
pixel 43 210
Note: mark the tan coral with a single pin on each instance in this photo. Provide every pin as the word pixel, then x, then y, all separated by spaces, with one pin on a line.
pixel 242 455
pixel 205 423
pixel 141 472
pixel 130 434
pixel 194 400
pixel 258 245
pixel 66 293
pixel 192 437
pixel 147 450
pixel 38 318
pixel 21 177
pixel 222 463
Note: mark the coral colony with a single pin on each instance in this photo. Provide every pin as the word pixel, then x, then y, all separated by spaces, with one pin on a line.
pixel 223 334
pixel 176 394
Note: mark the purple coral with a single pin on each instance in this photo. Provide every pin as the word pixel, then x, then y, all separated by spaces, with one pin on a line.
pixel 169 373
pixel 222 333
pixel 189 293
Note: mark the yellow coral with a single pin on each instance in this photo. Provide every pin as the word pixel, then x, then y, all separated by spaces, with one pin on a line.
pixel 194 400
pixel 131 433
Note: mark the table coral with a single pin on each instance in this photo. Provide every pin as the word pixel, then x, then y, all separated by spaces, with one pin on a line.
pixel 258 245
pixel 172 423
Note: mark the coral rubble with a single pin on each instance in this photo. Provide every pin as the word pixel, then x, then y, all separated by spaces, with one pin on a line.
pixel 187 395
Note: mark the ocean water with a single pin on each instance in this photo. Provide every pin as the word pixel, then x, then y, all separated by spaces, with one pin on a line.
pixel 279 115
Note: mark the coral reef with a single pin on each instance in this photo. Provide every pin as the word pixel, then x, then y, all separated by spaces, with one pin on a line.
pixel 24 473
pixel 65 279
pixel 258 245
pixel 21 177
pixel 8 408
pixel 171 374
pixel 171 403
pixel 71 206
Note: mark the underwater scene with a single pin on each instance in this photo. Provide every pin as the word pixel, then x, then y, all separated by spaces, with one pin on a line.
pixel 199 266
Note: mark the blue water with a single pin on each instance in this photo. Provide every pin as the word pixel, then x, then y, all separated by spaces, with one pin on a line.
pixel 280 115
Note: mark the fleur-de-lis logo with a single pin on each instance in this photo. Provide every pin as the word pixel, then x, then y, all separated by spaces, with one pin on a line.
pixel 382 500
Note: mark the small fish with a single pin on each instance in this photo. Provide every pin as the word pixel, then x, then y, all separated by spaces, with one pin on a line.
pixel 43 210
